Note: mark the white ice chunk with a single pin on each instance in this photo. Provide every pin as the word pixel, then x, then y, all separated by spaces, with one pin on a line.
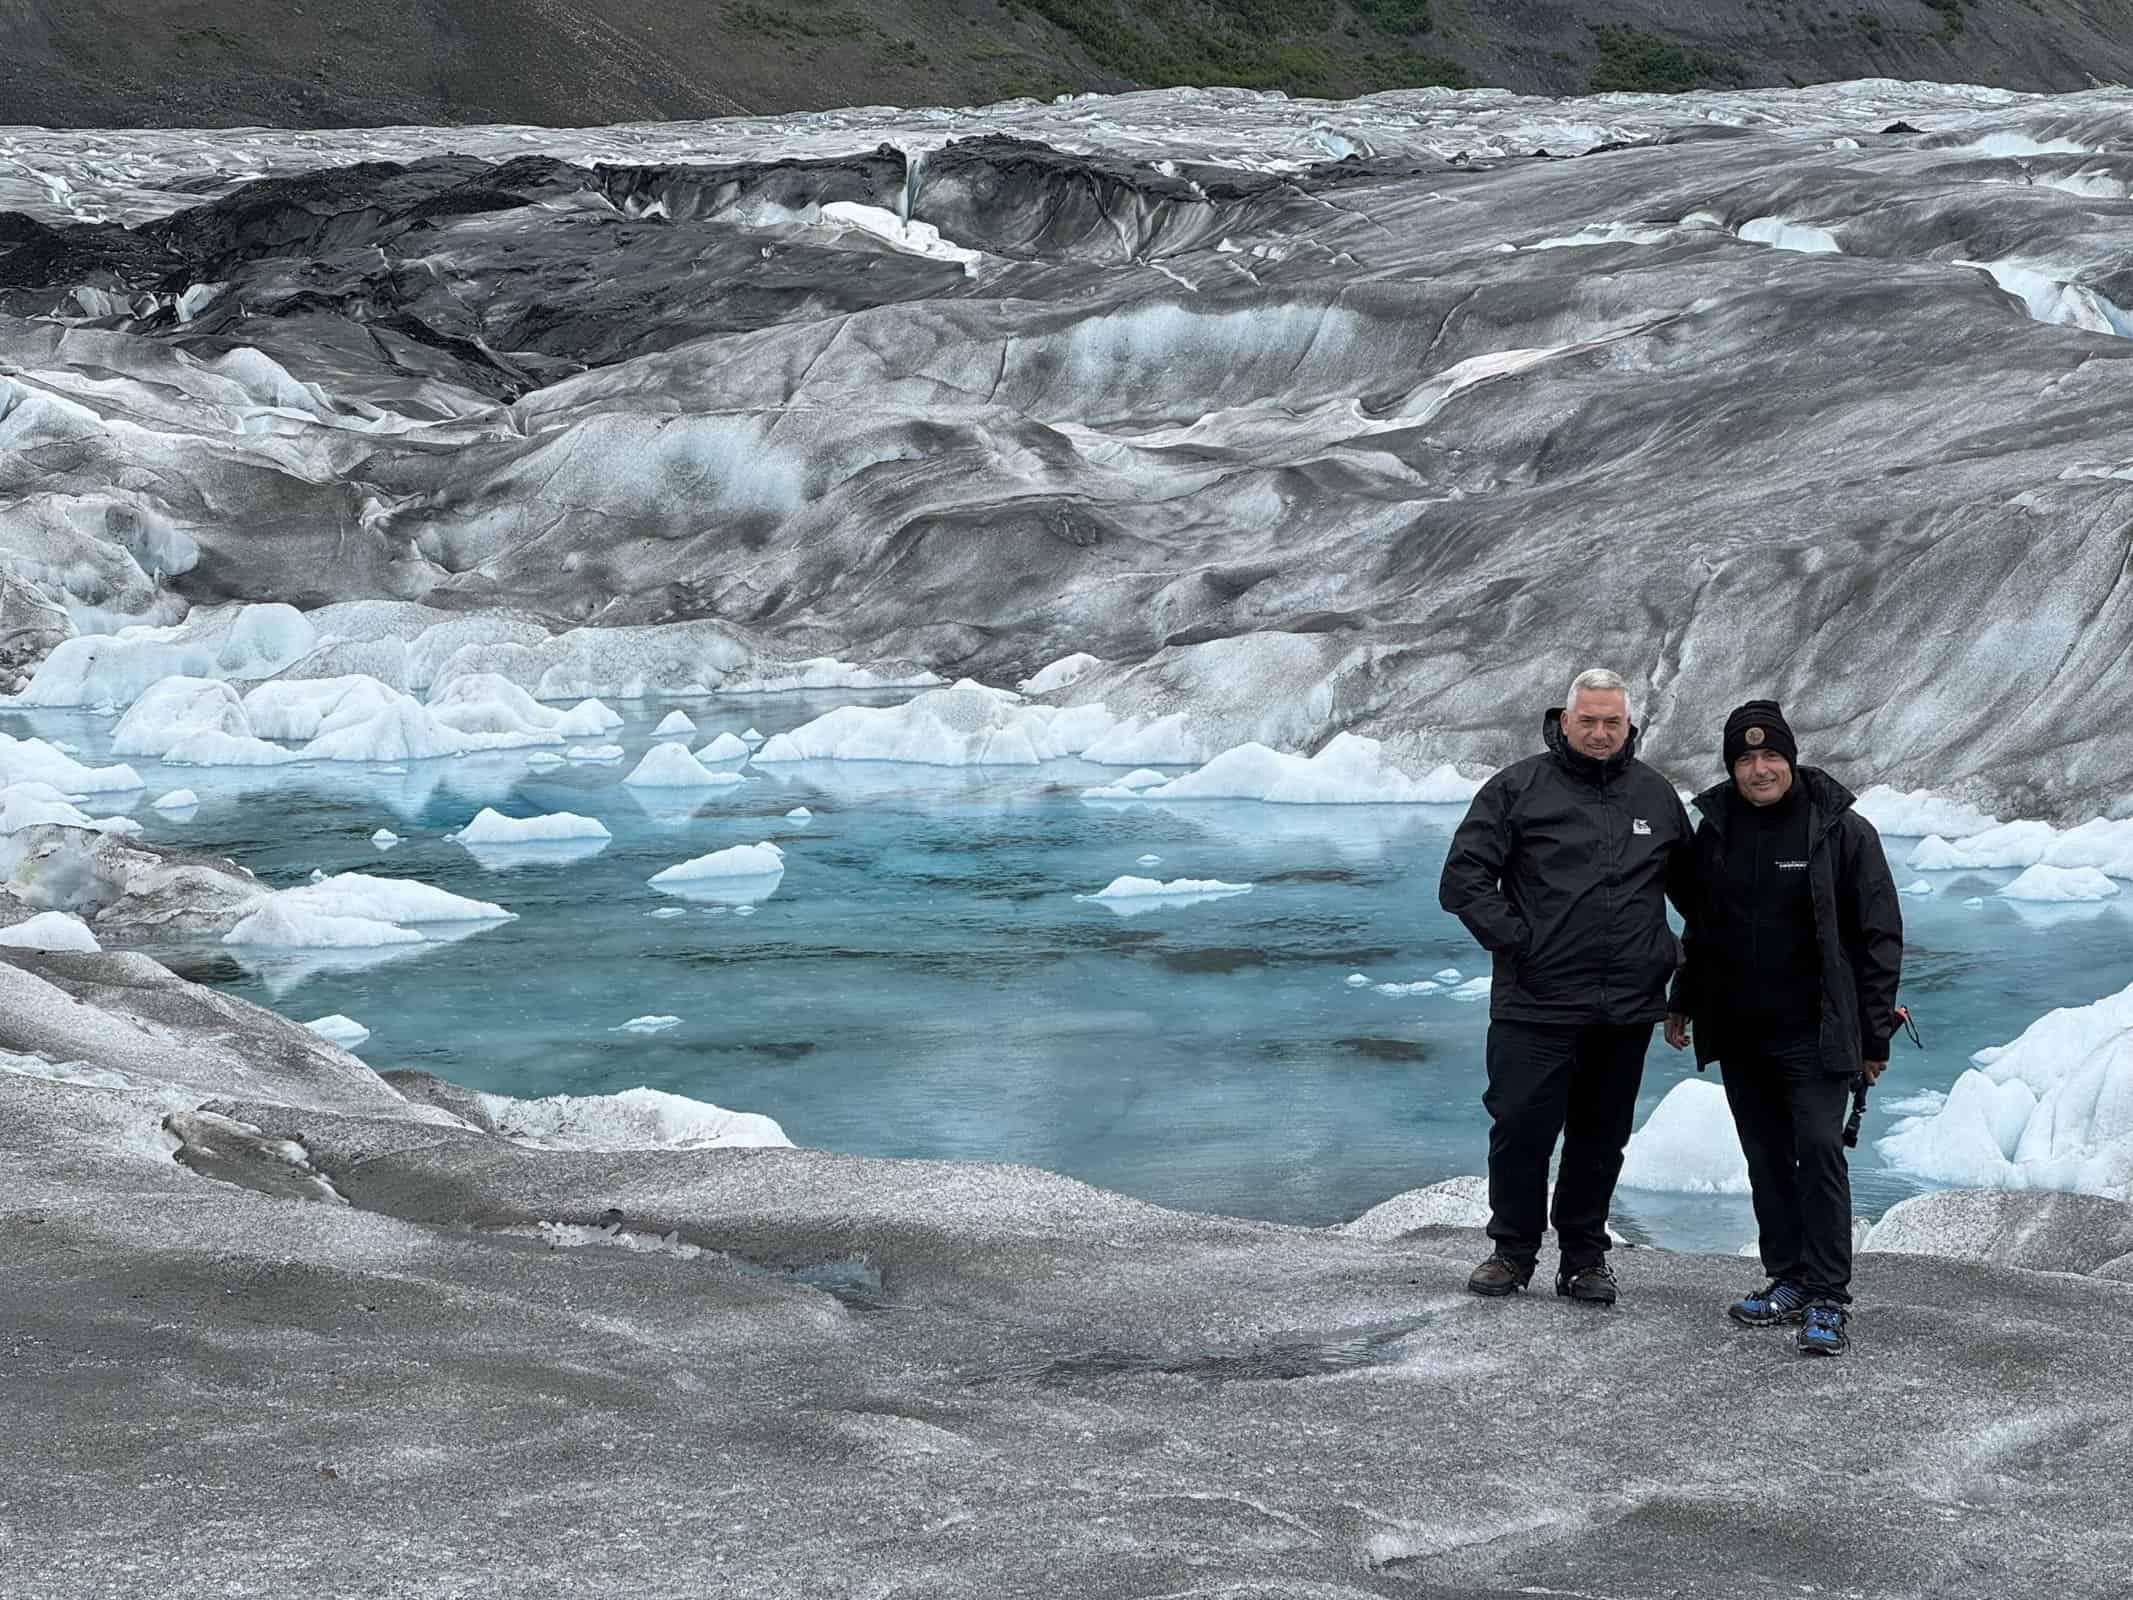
pixel 1917 886
pixel 635 1119
pixel 50 930
pixel 799 814
pixel 1147 861
pixel 599 753
pixel 1920 812
pixel 34 761
pixel 2011 844
pixel 676 724
pixel 385 838
pixel 174 708
pixel 1688 1145
pixel 2043 883
pixel 398 900
pixel 1357 980
pixel 211 747
pixel 1126 888
pixel 176 800
pixel 726 747
pixel 1140 778
pixel 31 805
pixel 670 766
pixel 737 861
pixel 2051 1110
pixel 541 760
pixel 1350 770
pixel 646 1024
pixel 750 736
pixel 279 924
pixel 491 827
pixel 964 725
pixel 337 1029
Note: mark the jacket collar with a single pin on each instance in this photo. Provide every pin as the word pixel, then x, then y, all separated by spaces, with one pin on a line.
pixel 1826 798
pixel 1576 762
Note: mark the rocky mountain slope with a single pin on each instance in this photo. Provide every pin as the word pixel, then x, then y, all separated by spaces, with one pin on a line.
pixel 222 63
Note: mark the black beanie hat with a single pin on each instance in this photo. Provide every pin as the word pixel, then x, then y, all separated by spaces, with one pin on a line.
pixel 1759 725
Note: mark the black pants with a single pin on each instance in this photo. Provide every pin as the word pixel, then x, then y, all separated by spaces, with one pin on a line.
pixel 1577 1082
pixel 1790 1113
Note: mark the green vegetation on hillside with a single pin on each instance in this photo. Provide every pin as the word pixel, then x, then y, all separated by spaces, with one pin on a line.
pixel 1632 62
pixel 1251 44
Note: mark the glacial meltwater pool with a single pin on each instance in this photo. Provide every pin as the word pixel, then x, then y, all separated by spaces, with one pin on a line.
pixel 924 980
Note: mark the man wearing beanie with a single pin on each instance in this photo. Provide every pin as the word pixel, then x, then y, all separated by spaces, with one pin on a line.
pixel 1792 950
pixel 1562 870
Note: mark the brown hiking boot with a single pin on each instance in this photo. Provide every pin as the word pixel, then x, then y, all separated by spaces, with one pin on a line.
pixel 1500 1275
pixel 1591 1286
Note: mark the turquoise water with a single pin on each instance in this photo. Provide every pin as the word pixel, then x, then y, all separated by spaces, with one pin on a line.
pixel 924 982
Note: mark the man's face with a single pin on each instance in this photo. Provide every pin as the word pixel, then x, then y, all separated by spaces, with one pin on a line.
pixel 1763 777
pixel 1596 722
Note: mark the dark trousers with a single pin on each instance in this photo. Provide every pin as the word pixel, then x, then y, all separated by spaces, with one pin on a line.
pixel 1576 1082
pixel 1790 1113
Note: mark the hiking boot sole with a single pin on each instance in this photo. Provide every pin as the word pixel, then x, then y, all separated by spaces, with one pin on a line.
pixel 1820 1349
pixel 1768 1319
pixel 1494 1291
pixel 1586 1299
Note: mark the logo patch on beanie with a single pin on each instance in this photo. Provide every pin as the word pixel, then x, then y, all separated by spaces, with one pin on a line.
pixel 1754 737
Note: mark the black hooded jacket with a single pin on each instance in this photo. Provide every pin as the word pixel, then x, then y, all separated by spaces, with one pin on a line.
pixel 1562 870
pixel 1858 930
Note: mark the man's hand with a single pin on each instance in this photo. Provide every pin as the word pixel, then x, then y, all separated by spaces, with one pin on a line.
pixel 1677 1032
pixel 1869 1070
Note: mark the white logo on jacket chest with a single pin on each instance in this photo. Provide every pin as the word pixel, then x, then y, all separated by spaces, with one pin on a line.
pixel 1792 866
pixel 1639 825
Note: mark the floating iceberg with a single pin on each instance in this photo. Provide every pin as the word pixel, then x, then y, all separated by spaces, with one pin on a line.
pixel 34 761
pixel 726 747
pixel 211 747
pixel 799 814
pixel 176 800
pixel 676 724
pixel 739 861
pixel 1129 888
pixel 281 925
pixel 2103 844
pixel 670 766
pixel 491 827
pixel 243 641
pixel 2052 1110
pixel 31 805
pixel 1350 770
pixel 337 1029
pixel 965 725
pixel 50 930
pixel 646 1024
pixel 353 911
pixel 597 753
pixel 173 709
pixel 2060 884
pixel 385 838
pixel 1688 1145
pixel 1919 812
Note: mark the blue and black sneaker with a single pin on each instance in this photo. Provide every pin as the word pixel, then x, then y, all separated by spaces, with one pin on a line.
pixel 1822 1331
pixel 1782 1301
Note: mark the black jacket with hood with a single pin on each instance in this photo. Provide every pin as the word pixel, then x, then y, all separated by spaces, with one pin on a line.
pixel 1561 871
pixel 1858 928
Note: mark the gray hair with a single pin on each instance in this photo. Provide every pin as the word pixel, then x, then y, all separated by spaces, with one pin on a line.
pixel 1598 678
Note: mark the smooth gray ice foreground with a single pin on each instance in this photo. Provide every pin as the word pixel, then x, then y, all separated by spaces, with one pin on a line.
pixel 271 1324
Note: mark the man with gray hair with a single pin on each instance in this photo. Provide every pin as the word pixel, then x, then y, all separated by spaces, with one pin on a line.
pixel 1562 870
